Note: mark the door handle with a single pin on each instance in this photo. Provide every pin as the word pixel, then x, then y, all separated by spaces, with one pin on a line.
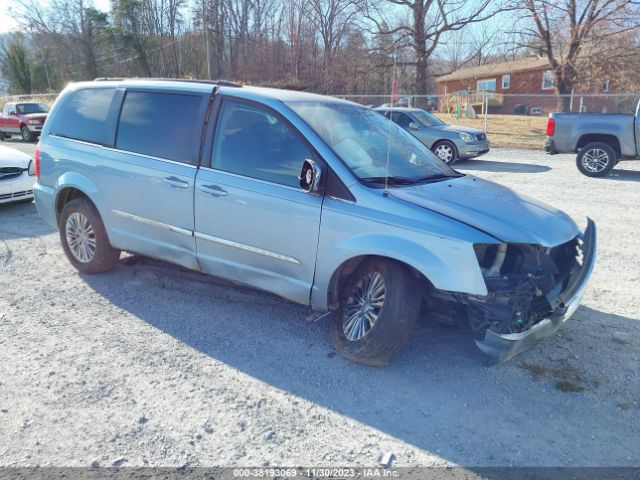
pixel 175 182
pixel 214 190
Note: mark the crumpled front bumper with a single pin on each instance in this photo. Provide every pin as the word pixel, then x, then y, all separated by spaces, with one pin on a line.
pixel 502 347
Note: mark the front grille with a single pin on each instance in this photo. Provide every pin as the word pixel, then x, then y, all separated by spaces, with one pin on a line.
pixel 7 173
pixel 24 193
pixel 481 137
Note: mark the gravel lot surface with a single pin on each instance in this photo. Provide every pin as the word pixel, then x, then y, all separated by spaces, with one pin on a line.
pixel 154 365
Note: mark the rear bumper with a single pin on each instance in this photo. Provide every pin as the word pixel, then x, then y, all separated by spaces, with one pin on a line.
pixel 45 203
pixel 502 347
pixel 550 147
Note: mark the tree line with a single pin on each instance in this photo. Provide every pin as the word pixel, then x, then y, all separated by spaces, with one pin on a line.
pixel 326 46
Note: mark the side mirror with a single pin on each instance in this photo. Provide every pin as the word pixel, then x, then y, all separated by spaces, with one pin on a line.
pixel 310 176
pixel 414 126
pixel 13 113
pixel 31 170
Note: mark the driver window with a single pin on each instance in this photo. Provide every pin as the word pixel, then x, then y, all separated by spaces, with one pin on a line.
pixel 251 142
pixel 401 119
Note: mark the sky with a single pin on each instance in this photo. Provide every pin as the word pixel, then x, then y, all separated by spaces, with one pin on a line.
pixel 7 23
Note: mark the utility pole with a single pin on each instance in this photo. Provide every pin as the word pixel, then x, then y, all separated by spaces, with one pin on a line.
pixel 46 71
pixel 205 30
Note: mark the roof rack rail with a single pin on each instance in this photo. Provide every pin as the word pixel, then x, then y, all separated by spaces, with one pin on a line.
pixel 221 83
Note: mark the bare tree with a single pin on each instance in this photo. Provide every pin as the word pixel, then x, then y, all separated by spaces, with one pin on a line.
pixel 428 21
pixel 333 19
pixel 565 30
pixel 74 25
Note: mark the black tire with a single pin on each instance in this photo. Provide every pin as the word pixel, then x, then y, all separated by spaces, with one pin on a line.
pixel 104 256
pixel 26 134
pixel 395 321
pixel 1 136
pixel 596 159
pixel 442 147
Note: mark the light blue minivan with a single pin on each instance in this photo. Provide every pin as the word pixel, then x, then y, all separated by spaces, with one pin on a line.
pixel 315 199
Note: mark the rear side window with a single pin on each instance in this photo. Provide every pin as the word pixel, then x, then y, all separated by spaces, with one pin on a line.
pixel 83 115
pixel 164 125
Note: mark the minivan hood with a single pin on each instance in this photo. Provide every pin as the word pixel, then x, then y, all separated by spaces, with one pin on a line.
pixel 493 209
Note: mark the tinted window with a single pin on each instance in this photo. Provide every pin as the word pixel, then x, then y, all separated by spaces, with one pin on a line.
pixel 83 115
pixel 164 125
pixel 253 143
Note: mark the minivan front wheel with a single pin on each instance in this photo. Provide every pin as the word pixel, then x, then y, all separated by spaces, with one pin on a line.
pixel 84 238
pixel 377 312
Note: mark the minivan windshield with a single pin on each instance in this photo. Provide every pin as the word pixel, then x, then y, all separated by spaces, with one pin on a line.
pixel 27 108
pixel 363 139
pixel 427 119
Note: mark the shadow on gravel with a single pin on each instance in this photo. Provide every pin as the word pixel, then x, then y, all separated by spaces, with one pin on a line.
pixel 25 213
pixel 497 166
pixel 623 175
pixel 437 395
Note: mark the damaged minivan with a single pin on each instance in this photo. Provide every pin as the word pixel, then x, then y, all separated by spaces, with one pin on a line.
pixel 318 200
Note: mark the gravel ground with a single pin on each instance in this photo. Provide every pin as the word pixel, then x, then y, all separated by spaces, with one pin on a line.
pixel 153 365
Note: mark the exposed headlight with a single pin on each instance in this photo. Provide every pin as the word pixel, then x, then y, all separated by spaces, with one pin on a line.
pixel 467 137
pixel 33 122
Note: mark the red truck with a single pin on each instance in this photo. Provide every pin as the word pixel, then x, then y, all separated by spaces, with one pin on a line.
pixel 22 118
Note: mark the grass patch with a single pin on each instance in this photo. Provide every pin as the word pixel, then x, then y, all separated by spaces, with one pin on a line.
pixel 507 131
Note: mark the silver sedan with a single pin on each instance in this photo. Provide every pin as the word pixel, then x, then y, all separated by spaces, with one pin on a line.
pixel 449 142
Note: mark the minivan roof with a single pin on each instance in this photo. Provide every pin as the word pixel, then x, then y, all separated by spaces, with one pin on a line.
pixel 206 86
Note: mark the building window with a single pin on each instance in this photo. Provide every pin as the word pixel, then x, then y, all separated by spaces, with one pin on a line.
pixel 506 81
pixel 486 85
pixel 605 84
pixel 547 80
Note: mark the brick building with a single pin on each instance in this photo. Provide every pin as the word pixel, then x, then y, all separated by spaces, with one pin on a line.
pixel 520 86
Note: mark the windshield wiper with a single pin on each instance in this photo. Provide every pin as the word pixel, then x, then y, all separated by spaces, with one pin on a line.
pixel 392 180
pixel 438 176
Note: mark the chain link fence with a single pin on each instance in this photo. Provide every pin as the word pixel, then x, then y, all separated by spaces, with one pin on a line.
pixel 509 120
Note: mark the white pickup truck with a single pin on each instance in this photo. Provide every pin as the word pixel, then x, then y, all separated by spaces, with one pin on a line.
pixel 600 140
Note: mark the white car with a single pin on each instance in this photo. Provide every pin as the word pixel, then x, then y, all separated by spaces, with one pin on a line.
pixel 17 172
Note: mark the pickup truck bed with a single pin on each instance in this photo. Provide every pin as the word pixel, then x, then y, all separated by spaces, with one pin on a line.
pixel 600 140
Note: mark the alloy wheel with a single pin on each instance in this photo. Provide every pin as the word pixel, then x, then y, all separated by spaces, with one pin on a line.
pixel 81 237
pixel 595 160
pixel 363 306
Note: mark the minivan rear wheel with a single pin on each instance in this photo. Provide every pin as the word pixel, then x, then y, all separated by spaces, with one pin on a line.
pixel 84 238
pixel 376 314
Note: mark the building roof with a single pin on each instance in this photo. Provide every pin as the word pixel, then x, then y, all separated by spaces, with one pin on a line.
pixel 493 69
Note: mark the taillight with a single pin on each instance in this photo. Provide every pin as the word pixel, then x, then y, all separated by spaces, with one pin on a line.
pixel 551 127
pixel 36 158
